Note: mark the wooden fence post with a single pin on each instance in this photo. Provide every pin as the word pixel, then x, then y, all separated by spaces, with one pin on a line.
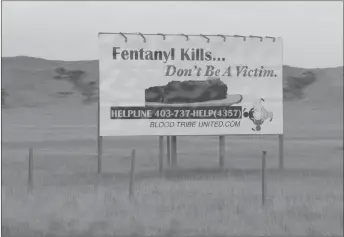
pixel 132 174
pixel 99 138
pixel 100 145
pixel 30 173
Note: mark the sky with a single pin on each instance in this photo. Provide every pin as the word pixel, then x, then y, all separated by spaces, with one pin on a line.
pixel 312 32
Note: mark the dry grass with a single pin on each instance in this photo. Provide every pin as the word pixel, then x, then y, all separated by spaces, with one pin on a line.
pixel 69 199
pixel 162 208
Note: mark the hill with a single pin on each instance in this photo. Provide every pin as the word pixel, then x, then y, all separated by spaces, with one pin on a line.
pixel 35 82
pixel 65 93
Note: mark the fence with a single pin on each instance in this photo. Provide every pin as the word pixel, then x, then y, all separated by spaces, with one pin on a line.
pixel 172 154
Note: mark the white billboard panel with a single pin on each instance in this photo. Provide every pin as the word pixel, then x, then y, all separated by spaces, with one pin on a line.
pixel 189 85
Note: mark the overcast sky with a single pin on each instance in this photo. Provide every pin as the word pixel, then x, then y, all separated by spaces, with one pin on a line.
pixel 312 31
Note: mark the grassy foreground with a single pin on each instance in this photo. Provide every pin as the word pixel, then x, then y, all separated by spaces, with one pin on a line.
pixel 218 207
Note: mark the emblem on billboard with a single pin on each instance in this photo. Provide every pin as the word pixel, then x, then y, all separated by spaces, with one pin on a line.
pixel 258 114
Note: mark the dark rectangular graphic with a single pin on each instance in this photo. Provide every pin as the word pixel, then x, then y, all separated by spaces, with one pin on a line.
pixel 206 112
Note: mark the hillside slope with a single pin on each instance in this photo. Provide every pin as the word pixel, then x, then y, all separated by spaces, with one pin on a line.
pixel 34 82
pixel 31 82
pixel 44 94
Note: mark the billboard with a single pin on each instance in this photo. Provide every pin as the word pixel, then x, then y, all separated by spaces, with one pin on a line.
pixel 171 85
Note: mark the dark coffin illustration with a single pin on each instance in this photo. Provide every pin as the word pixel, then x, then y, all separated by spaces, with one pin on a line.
pixel 190 92
pixel 187 92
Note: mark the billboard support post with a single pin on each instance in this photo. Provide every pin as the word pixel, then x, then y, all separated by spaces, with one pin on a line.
pixel 174 151
pixel 222 151
pixel 263 177
pixel 281 151
pixel 161 154
pixel 168 148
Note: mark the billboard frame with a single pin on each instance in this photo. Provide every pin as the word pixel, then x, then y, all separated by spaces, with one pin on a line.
pixel 172 140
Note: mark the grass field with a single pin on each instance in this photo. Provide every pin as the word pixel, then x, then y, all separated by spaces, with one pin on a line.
pixel 70 199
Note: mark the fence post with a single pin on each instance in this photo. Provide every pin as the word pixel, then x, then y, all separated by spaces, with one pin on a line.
pixel 161 154
pixel 263 177
pixel 100 139
pixel 132 173
pixel 30 174
pixel 168 147
pixel 221 151
pixel 281 152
